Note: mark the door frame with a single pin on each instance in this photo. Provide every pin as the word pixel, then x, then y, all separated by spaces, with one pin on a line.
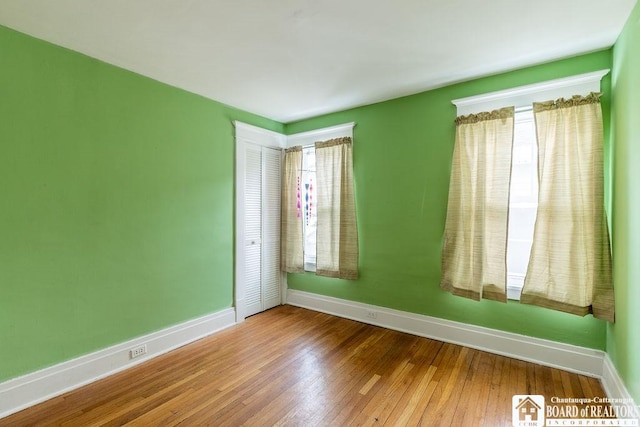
pixel 247 134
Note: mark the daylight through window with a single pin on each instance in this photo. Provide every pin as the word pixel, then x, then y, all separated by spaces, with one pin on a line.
pixel 309 207
pixel 523 201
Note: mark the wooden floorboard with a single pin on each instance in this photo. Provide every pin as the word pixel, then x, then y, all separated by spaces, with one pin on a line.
pixel 295 367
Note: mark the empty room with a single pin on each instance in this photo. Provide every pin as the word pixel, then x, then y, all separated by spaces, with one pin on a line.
pixel 320 213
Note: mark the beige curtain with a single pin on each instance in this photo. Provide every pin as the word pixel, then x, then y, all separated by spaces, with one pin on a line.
pixel 292 258
pixel 337 234
pixel 570 265
pixel 475 237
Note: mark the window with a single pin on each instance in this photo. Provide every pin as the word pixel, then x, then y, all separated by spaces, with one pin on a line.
pixel 523 201
pixel 503 122
pixel 324 154
pixel 309 207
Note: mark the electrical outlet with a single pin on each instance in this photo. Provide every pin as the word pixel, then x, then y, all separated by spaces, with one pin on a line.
pixel 138 351
pixel 372 315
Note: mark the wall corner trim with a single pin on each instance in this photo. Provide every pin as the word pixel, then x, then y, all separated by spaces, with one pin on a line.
pixel 581 360
pixel 22 392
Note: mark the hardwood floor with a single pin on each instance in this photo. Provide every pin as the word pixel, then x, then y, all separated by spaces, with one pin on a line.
pixel 291 366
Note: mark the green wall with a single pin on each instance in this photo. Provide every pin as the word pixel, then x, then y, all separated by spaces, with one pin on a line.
pixel 117 216
pixel 623 338
pixel 117 204
pixel 402 159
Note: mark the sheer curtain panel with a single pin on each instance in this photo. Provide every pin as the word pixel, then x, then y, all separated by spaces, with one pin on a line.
pixel 570 265
pixel 291 237
pixel 337 233
pixel 475 237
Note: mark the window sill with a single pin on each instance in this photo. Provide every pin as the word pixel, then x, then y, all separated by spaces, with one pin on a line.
pixel 514 292
pixel 515 282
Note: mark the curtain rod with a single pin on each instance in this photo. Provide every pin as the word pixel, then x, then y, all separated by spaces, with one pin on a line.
pixel 313 144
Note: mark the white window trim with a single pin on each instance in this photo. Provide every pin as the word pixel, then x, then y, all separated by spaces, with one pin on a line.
pixel 525 96
pixel 307 139
pixel 313 136
pixel 522 98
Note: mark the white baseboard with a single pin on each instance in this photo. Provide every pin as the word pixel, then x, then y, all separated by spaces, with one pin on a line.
pixel 581 360
pixel 615 389
pixel 22 392
pixel 568 357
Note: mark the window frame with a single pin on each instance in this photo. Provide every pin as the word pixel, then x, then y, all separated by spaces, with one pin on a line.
pixel 307 140
pixel 522 98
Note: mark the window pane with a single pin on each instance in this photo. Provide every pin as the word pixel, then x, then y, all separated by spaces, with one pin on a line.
pixel 523 203
pixel 309 210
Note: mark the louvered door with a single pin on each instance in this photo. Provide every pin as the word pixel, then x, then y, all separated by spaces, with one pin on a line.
pixel 272 178
pixel 253 229
pixel 262 177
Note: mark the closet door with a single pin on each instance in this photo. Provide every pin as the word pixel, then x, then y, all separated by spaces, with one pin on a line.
pixel 253 228
pixel 262 178
pixel 271 181
pixel 258 279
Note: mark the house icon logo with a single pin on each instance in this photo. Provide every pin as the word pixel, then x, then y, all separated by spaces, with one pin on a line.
pixel 528 410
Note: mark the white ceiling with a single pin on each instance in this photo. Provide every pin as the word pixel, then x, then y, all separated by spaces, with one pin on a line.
pixel 293 59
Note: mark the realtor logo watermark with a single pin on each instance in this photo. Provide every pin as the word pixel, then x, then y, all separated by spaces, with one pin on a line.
pixel 528 410
pixel 534 411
